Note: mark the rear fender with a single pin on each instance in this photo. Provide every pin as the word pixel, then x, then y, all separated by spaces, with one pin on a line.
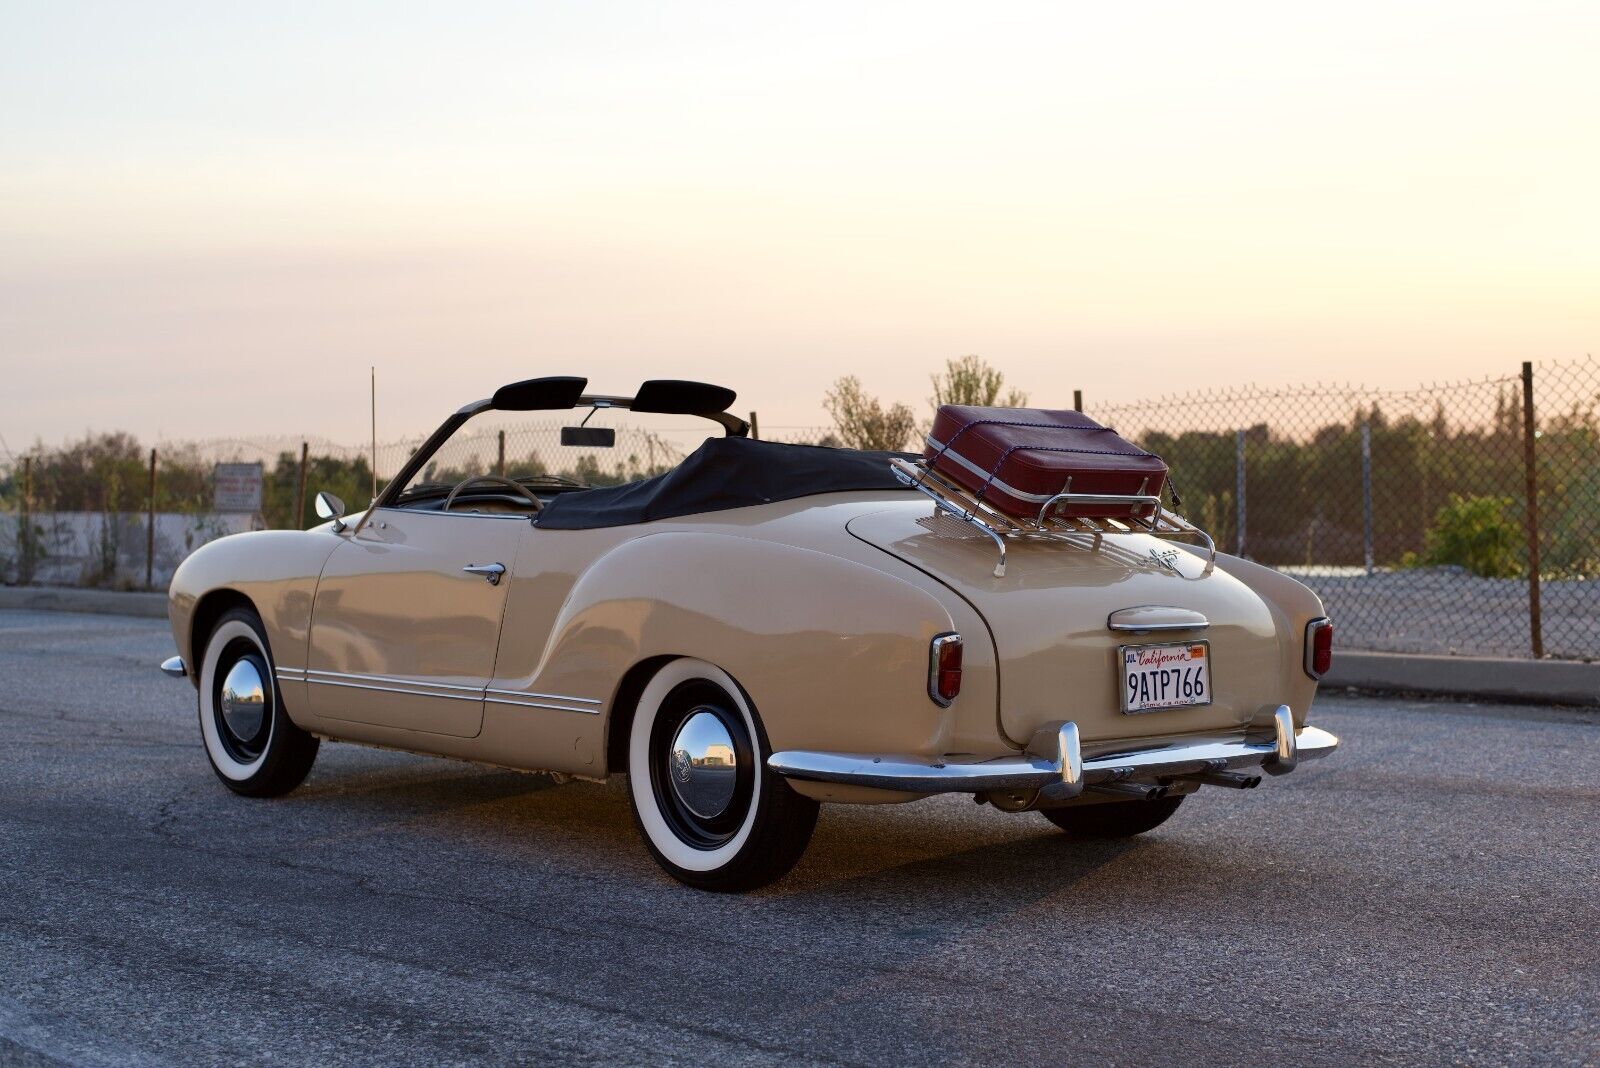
pixel 1293 605
pixel 833 653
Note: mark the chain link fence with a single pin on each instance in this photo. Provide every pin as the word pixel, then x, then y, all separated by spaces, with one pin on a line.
pixel 1406 510
pixel 108 512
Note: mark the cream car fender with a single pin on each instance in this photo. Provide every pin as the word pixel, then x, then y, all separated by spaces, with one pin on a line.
pixel 830 651
pixel 1293 605
pixel 275 572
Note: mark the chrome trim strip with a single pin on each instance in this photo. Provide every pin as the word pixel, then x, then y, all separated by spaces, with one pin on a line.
pixel 457 692
pixel 1054 774
pixel 175 667
pixel 474 696
pixel 537 704
pixel 392 679
pixel 546 696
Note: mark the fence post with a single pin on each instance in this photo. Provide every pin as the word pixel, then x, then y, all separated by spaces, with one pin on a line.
pixel 25 575
pixel 755 427
pixel 150 530
pixel 1077 400
pixel 1238 491
pixel 501 468
pixel 1366 494
pixel 1531 478
pixel 300 488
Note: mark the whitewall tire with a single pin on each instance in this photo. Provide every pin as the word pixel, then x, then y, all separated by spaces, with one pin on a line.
pixel 253 746
pixel 710 811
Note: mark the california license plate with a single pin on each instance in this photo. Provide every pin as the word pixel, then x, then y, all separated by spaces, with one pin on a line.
pixel 1159 677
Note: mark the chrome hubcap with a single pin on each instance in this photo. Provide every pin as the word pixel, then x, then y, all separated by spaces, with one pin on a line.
pixel 704 766
pixel 244 701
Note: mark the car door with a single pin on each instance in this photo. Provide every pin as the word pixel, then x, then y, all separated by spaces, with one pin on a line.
pixel 406 622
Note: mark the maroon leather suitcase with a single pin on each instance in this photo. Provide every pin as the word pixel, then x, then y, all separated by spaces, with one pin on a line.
pixel 1016 459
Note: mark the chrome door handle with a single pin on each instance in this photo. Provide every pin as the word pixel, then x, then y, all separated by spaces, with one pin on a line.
pixel 492 572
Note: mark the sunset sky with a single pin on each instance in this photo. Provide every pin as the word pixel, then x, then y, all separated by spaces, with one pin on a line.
pixel 215 216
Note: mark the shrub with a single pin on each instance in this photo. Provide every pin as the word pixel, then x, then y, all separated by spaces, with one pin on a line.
pixel 1476 533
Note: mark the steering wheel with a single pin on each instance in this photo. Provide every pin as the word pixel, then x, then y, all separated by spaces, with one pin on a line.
pixel 538 505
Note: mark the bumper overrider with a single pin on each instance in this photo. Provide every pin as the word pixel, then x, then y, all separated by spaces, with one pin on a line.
pixel 1055 766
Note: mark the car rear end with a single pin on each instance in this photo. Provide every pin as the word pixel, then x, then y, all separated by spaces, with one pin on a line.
pixel 1127 667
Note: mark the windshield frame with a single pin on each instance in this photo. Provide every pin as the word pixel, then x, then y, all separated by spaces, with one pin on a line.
pixel 732 427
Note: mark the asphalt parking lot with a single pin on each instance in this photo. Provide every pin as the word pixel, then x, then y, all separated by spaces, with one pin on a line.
pixel 1430 894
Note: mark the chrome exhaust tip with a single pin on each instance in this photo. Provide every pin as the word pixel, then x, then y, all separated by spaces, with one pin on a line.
pixel 1231 779
pixel 1139 791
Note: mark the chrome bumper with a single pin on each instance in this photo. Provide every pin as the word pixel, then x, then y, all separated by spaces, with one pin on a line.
pixel 1055 766
pixel 174 666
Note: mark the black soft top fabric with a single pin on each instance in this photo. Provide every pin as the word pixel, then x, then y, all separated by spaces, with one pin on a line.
pixel 721 474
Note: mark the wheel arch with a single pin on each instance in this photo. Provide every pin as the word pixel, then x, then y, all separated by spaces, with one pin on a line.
pixel 623 706
pixel 210 608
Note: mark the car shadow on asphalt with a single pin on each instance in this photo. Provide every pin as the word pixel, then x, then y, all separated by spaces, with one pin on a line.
pixel 915 854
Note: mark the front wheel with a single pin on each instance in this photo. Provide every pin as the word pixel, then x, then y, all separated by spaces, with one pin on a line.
pixel 1112 819
pixel 709 809
pixel 254 747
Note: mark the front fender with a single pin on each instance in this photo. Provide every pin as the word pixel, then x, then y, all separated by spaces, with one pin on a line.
pixel 833 653
pixel 276 570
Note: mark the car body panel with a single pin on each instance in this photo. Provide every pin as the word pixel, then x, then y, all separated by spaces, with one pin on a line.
pixel 1048 616
pixel 276 572
pixel 401 635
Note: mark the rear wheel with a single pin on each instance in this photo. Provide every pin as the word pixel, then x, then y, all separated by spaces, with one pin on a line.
pixel 254 747
pixel 1114 819
pixel 709 809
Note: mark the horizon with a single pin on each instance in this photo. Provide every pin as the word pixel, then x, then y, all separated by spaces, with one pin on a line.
pixel 213 221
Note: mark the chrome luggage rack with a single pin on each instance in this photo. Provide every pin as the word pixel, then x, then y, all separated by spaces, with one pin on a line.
pixel 1146 515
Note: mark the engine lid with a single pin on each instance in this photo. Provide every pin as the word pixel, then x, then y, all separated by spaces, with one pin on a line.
pixel 1064 610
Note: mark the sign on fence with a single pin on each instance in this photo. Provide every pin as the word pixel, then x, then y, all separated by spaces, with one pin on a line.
pixel 236 488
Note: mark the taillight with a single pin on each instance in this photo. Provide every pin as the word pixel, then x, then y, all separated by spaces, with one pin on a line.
pixel 944 669
pixel 1319 647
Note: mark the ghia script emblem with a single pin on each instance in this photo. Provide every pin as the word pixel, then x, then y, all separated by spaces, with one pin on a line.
pixel 680 764
pixel 1166 558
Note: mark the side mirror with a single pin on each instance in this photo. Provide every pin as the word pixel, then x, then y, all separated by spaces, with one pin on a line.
pixel 330 507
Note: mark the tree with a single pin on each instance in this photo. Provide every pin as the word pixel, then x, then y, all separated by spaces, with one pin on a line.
pixel 970 380
pixel 863 422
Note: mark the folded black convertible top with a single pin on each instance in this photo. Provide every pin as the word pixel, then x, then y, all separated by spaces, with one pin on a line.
pixel 721 474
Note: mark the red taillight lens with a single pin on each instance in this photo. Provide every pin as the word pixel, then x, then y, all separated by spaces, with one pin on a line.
pixel 944 669
pixel 1319 647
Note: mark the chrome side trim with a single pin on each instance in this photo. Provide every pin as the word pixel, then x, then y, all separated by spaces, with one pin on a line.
pixel 391 680
pixel 1053 774
pixel 174 666
pixel 474 696
pixel 448 690
pixel 546 696
pixel 538 704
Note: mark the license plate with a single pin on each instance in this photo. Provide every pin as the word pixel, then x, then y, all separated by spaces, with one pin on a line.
pixel 1158 677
